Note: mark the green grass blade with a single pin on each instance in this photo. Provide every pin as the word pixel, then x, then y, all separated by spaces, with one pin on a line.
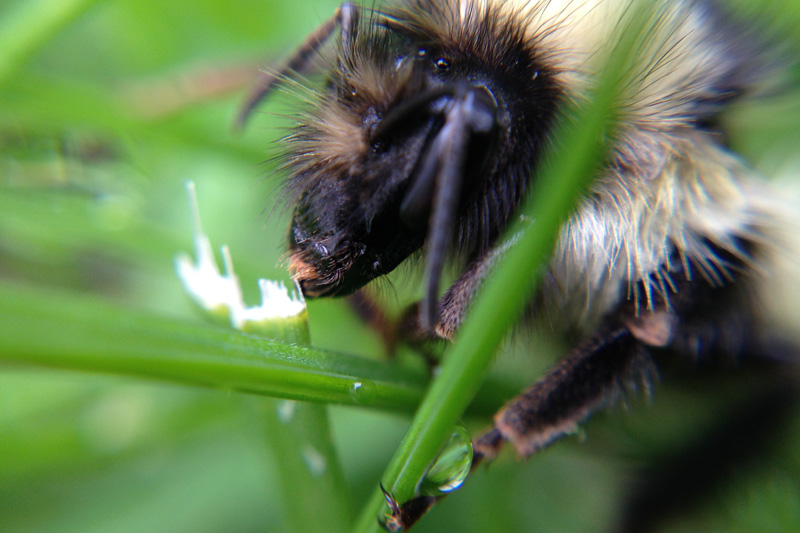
pixel 65 330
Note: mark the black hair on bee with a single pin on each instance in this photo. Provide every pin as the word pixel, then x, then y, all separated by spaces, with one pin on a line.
pixel 427 135
pixel 416 119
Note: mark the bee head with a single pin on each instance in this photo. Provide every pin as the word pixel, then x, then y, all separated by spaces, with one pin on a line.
pixel 425 135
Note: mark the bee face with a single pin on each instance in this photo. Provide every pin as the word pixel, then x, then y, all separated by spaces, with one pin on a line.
pixel 425 126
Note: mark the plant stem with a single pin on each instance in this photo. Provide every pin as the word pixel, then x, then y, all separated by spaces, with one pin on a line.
pixel 313 488
pixel 71 331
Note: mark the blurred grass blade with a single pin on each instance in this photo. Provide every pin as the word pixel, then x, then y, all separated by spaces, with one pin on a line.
pixel 313 487
pixel 26 26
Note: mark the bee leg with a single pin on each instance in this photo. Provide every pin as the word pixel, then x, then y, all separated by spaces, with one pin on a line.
pixel 394 332
pixel 455 302
pixel 409 329
pixel 592 377
pixel 402 517
pixel 451 310
pixel 487 446
pixel 371 313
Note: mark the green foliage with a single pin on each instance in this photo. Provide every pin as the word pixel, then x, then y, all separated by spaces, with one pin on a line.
pixel 123 409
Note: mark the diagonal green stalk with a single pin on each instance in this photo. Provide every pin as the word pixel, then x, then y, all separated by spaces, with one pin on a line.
pixel 577 150
pixel 30 24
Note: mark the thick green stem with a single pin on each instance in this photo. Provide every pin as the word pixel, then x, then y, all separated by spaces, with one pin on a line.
pixel 65 330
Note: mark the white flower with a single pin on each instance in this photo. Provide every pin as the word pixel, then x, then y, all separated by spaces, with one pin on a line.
pixel 220 293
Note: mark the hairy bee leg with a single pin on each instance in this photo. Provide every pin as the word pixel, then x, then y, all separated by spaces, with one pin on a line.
pixel 408 329
pixel 455 302
pixel 487 446
pixel 592 377
pixel 402 517
pixel 394 332
pixel 345 18
pixel 372 314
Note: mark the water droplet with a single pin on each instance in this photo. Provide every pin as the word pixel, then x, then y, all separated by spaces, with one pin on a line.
pixel 451 467
pixel 363 391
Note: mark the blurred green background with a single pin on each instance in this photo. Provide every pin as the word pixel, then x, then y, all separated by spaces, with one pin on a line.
pixel 106 109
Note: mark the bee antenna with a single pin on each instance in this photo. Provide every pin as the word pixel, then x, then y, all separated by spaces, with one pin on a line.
pixel 345 18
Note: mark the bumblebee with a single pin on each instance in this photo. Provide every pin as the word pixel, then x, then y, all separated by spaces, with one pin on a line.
pixel 427 136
